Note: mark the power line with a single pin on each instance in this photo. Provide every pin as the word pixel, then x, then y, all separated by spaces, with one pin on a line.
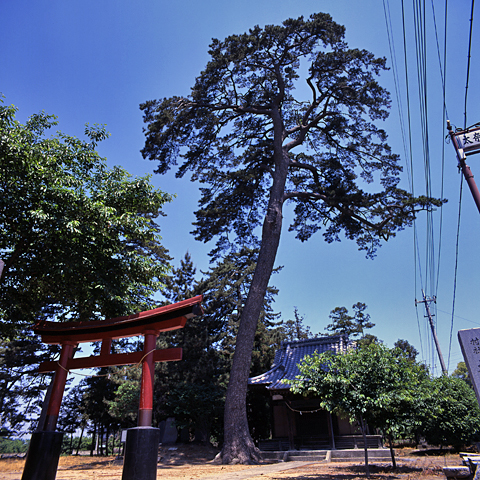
pixel 444 117
pixel 469 56
pixel 430 265
pixel 468 64
pixel 456 269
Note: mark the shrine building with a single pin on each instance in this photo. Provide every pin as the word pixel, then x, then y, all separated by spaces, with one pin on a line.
pixel 298 422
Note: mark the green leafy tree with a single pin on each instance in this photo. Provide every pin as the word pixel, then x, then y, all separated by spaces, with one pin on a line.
pixel 257 139
pixel 451 415
pixel 401 417
pixel 123 407
pixel 199 406
pixel 370 385
pixel 79 240
pixel 8 445
pixel 461 372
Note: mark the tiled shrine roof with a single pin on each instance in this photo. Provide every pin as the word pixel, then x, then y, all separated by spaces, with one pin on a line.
pixel 290 355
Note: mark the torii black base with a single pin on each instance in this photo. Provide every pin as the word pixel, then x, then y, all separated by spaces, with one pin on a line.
pixel 43 455
pixel 141 454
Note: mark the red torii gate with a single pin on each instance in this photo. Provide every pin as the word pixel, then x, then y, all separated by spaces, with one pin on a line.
pixel 69 334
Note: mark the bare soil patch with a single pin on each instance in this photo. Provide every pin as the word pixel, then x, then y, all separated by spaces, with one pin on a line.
pixel 195 462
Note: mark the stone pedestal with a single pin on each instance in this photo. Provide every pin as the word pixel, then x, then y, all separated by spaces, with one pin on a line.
pixel 456 472
pixel 42 457
pixel 141 453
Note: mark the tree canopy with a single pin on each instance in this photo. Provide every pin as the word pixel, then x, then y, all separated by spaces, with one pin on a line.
pixel 284 114
pixel 450 413
pixel 79 240
pixel 345 324
pixel 461 372
pixel 372 385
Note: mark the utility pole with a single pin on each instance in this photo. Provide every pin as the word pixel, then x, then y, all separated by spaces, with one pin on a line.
pixel 466 142
pixel 426 301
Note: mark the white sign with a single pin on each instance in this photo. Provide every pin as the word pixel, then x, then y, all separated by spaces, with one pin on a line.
pixel 470 344
pixel 469 141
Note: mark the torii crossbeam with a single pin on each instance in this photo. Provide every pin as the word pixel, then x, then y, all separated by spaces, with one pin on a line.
pixel 149 324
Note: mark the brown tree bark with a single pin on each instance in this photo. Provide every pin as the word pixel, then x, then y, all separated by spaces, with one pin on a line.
pixel 238 444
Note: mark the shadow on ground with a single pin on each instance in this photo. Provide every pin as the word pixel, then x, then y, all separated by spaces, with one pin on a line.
pixel 377 472
pixel 92 464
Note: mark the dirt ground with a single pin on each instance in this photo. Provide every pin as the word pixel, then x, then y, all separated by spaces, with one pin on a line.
pixel 194 462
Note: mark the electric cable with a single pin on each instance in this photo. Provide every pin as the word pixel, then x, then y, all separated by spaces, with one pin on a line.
pixel 456 267
pixel 444 118
pixel 469 56
pixel 416 251
pixel 468 63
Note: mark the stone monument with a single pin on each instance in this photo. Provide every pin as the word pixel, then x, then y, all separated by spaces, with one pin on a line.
pixel 470 344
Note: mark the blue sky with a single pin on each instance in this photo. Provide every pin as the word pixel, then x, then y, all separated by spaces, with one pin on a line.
pixel 96 61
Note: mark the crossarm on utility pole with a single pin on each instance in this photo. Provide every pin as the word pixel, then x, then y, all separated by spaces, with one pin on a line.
pixel 432 326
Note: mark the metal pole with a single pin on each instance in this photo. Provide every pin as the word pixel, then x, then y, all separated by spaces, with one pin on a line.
pixel 467 173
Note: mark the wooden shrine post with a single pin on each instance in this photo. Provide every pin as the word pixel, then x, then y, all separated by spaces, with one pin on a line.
pixel 142 442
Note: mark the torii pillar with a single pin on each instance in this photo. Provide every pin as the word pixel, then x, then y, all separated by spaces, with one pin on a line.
pixel 142 442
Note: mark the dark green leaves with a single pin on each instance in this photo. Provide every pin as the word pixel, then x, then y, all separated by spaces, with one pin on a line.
pixel 251 120
pixel 79 240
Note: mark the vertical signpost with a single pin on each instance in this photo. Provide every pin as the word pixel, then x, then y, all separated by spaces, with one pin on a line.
pixel 466 142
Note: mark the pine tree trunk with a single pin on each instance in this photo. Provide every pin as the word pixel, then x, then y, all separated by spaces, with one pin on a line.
pixel 238 445
pixel 80 439
pixel 101 436
pixel 92 446
pixel 106 440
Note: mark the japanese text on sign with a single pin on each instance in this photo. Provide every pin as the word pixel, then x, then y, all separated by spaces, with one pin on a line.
pixel 469 141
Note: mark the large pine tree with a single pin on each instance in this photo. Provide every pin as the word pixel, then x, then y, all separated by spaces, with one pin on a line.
pixel 257 138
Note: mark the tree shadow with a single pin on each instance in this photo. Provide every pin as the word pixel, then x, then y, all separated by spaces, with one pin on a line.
pixel 92 465
pixel 433 452
pixel 377 472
